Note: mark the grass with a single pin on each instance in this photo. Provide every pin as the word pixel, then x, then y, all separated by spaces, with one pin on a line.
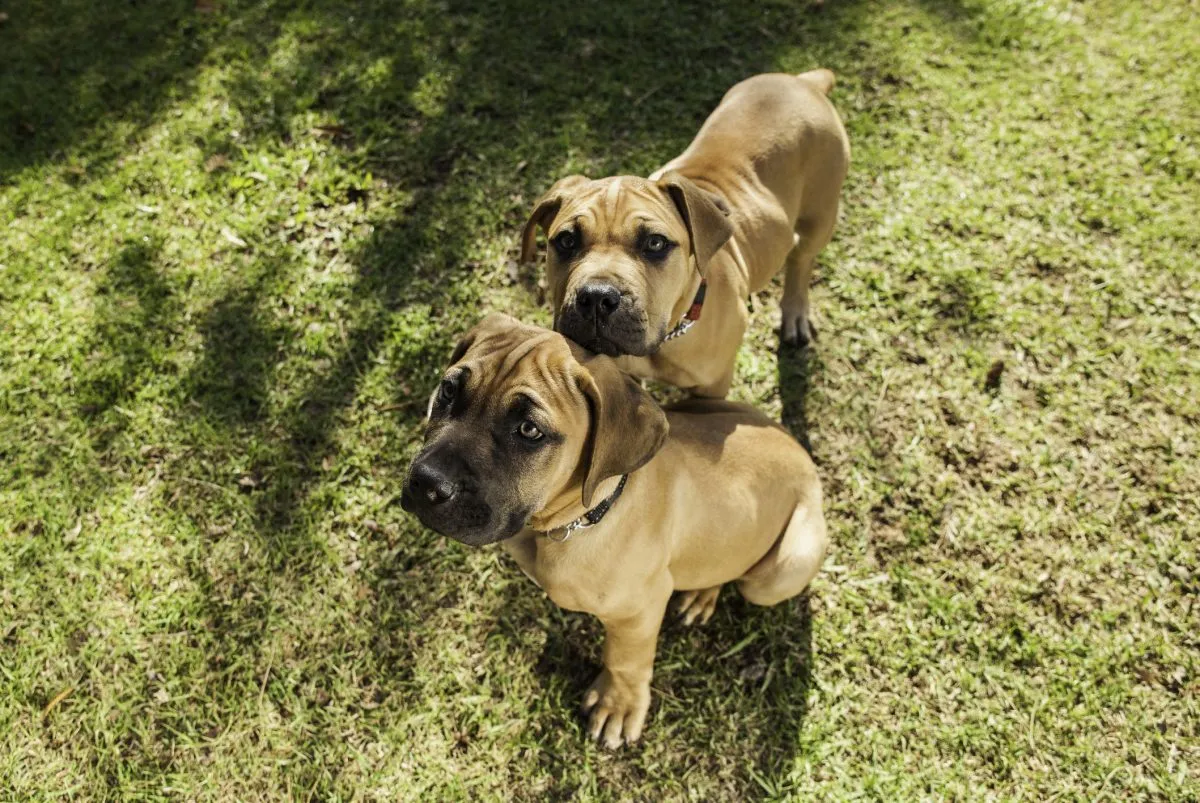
pixel 240 239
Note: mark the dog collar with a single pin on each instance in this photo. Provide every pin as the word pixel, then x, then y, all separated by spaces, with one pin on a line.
pixel 691 316
pixel 592 517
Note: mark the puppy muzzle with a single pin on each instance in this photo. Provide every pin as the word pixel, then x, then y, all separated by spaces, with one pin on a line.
pixel 620 329
pixel 450 504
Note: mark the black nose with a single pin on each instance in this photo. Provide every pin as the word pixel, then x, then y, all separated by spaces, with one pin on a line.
pixel 600 300
pixel 430 485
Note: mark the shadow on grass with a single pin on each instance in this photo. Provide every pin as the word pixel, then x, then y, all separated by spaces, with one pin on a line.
pixel 230 383
pixel 741 679
pixel 796 367
pixel 135 309
pixel 70 66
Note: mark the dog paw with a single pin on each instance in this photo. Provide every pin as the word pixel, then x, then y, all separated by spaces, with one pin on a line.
pixel 617 709
pixel 697 605
pixel 798 330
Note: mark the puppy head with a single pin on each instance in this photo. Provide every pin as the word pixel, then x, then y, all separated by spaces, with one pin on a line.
pixel 620 255
pixel 520 418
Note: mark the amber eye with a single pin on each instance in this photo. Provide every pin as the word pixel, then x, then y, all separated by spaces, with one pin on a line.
pixel 656 245
pixel 447 391
pixel 529 431
pixel 565 242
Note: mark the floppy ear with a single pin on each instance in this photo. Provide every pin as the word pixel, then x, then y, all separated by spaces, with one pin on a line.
pixel 627 428
pixel 459 350
pixel 496 321
pixel 543 213
pixel 705 215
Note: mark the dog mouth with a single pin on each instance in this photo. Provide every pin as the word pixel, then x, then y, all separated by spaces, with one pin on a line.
pixel 471 524
pixel 477 539
pixel 602 345
pixel 614 338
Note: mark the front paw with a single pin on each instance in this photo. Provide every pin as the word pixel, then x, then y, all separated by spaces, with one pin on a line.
pixel 618 709
pixel 798 328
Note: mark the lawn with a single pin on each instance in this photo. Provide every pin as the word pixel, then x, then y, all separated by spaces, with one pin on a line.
pixel 241 238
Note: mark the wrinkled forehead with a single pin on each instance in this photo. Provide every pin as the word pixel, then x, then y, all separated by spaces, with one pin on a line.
pixel 529 364
pixel 612 202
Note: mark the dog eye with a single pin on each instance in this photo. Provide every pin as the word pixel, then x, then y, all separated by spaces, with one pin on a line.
pixel 529 431
pixel 447 391
pixel 566 242
pixel 656 245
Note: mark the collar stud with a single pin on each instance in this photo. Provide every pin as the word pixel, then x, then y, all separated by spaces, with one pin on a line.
pixel 592 517
pixel 692 315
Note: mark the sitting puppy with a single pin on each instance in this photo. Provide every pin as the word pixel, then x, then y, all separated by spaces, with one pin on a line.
pixel 607 502
pixel 631 262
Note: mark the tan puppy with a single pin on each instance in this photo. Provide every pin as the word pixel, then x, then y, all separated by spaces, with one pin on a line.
pixel 609 503
pixel 756 190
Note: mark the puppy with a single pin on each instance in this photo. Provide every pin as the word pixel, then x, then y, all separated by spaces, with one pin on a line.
pixel 609 503
pixel 633 262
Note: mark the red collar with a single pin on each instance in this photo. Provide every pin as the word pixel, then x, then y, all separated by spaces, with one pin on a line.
pixel 692 315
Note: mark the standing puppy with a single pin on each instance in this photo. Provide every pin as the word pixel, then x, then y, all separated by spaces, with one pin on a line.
pixel 632 262
pixel 609 503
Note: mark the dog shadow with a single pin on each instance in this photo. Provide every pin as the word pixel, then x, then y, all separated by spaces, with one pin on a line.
pixel 797 364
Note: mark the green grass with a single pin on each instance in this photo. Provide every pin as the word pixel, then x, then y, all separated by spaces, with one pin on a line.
pixel 238 245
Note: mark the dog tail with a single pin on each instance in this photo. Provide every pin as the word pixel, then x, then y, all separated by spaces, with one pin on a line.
pixel 821 78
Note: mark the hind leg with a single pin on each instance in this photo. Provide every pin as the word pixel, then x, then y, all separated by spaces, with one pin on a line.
pixel 793 560
pixel 798 329
pixel 698 605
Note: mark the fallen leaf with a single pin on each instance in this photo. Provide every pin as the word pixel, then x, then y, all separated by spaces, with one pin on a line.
pixel 233 238
pixel 218 161
pixel 753 672
pixel 992 382
pixel 334 130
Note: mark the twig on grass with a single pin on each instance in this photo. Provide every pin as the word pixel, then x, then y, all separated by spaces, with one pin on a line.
pixel 58 698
